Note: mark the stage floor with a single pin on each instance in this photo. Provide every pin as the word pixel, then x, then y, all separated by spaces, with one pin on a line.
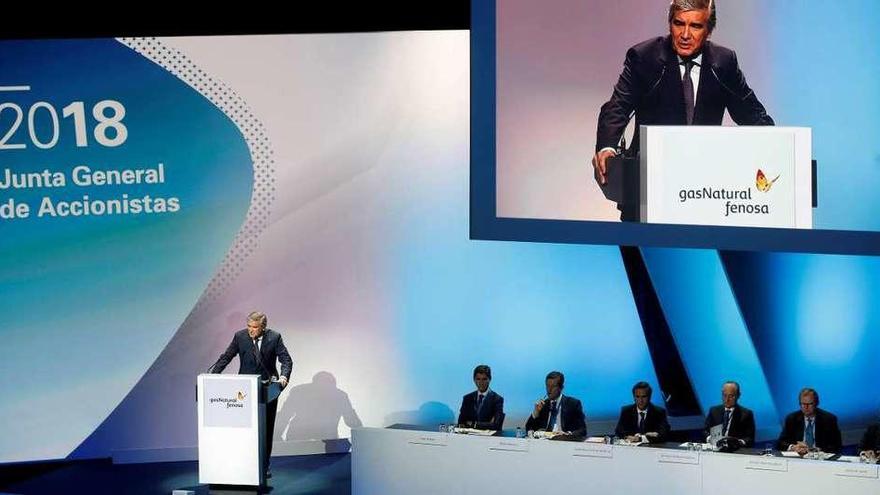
pixel 328 474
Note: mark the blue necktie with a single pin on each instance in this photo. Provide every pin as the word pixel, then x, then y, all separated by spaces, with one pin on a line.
pixel 809 435
pixel 479 402
pixel 553 413
pixel 726 422
pixel 641 421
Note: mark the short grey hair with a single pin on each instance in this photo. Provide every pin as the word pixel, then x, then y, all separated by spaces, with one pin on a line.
pixel 676 6
pixel 258 317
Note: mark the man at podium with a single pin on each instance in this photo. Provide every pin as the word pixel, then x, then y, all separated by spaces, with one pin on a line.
pixel 679 79
pixel 258 349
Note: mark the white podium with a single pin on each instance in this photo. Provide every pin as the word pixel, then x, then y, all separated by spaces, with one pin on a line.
pixel 727 176
pixel 231 429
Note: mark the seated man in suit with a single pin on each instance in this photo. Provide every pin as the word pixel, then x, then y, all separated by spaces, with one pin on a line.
pixel 558 413
pixel 642 421
pixel 869 446
pixel 737 421
pixel 810 428
pixel 483 408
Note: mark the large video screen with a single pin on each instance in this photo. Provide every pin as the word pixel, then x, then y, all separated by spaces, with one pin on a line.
pixel 779 154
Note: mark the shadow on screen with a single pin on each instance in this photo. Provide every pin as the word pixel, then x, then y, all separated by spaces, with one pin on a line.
pixel 312 411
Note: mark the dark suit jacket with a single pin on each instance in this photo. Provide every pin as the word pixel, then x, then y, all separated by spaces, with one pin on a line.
pixel 271 349
pixel 488 417
pixel 742 425
pixel 871 438
pixel 650 85
pixel 827 431
pixel 655 421
pixel 572 417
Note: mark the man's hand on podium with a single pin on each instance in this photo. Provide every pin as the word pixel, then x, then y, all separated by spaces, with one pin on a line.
pixel 600 165
pixel 283 381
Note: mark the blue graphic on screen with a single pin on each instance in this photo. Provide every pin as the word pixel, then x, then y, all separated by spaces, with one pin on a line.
pixel 829 82
pixel 709 331
pixel 95 292
pixel 524 309
pixel 814 323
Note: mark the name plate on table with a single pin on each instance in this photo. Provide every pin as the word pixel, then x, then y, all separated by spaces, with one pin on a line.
pixel 593 450
pixel 858 471
pixel 509 445
pixel 767 464
pixel 674 457
pixel 431 439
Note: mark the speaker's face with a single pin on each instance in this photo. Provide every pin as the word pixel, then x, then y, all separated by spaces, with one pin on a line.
pixel 255 329
pixel 689 30
pixel 553 388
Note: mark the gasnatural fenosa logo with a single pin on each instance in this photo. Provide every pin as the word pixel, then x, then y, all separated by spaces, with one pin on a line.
pixel 237 401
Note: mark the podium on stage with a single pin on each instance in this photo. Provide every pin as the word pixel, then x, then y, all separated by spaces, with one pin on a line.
pixel 232 425
pixel 718 176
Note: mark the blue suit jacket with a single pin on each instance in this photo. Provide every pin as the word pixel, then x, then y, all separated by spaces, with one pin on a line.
pixel 827 431
pixel 573 419
pixel 271 349
pixel 655 421
pixel 490 415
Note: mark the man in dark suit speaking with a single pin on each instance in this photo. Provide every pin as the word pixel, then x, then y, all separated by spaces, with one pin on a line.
pixel 258 348
pixel 642 421
pixel 558 413
pixel 483 408
pixel 810 428
pixel 679 79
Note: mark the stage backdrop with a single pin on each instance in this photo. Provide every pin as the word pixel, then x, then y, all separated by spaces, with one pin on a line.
pixel 323 179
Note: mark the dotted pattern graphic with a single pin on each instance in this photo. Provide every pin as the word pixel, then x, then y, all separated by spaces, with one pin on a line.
pixel 231 104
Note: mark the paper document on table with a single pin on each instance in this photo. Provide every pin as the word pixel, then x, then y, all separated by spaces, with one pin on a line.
pixel 474 431
pixel 715 434
pixel 632 444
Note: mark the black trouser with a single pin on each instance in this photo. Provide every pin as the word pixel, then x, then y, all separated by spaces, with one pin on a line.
pixel 271 411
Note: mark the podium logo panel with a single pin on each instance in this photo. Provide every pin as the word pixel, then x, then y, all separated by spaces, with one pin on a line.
pixel 227 404
pixel 721 176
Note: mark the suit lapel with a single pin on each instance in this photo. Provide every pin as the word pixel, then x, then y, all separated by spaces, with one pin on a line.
pixel 266 350
pixel 673 91
pixel 562 410
pixel 708 86
pixel 734 420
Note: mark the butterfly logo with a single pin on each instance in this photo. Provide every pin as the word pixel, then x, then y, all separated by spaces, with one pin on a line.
pixel 762 183
pixel 241 396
